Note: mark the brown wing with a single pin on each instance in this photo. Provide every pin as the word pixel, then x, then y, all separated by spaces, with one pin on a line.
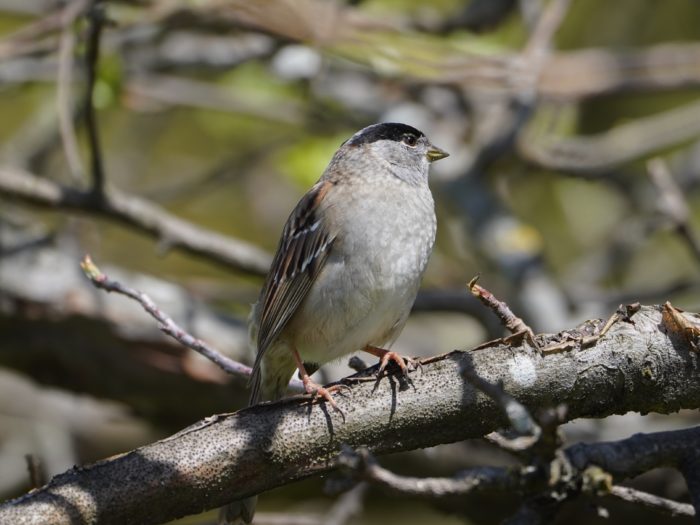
pixel 302 251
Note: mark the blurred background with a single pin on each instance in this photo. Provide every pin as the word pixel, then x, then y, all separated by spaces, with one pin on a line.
pixel 572 187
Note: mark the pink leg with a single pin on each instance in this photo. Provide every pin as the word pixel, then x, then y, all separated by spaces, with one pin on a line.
pixel 387 355
pixel 313 388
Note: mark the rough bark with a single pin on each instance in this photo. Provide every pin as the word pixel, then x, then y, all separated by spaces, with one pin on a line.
pixel 642 365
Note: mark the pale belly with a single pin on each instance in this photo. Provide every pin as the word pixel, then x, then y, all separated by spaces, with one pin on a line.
pixel 365 291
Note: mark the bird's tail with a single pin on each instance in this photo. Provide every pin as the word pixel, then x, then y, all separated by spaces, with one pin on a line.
pixel 272 374
pixel 268 383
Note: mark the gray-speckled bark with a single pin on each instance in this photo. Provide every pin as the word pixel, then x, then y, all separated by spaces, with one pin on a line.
pixel 634 367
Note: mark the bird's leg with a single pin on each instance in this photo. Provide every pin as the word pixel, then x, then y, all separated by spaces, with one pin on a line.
pixel 387 355
pixel 313 388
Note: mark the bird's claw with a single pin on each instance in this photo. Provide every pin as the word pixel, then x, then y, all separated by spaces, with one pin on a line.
pixel 317 391
pixel 413 364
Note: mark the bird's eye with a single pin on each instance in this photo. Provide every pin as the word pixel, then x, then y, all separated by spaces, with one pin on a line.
pixel 409 139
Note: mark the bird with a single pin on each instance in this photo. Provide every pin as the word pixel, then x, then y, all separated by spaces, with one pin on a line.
pixel 347 267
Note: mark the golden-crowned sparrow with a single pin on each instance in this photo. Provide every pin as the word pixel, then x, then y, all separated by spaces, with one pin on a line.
pixel 348 265
pixel 350 260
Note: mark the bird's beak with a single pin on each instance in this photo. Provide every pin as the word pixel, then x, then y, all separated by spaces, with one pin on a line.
pixel 434 153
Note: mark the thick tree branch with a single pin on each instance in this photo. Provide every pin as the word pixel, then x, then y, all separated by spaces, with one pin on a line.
pixel 138 213
pixel 642 364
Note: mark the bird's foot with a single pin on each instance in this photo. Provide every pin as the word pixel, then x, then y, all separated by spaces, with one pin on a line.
pixel 406 364
pixel 317 391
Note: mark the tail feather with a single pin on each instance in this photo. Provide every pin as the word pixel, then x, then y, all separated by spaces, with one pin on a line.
pixel 270 379
pixel 268 383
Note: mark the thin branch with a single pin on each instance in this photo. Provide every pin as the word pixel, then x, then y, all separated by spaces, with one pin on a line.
pixel 139 214
pixel 64 81
pixel 167 325
pixel 96 19
pixel 530 12
pixel 674 508
pixel 540 43
pixel 594 156
pixel 530 63
pixel 672 204
pixel 361 464
pixel 512 322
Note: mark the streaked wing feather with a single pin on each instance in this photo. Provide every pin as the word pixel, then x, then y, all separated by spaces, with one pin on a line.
pixel 302 251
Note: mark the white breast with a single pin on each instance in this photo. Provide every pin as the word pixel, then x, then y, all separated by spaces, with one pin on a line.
pixel 365 291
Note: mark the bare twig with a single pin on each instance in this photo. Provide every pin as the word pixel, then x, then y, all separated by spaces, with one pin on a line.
pixel 674 508
pixel 512 322
pixel 139 214
pixel 167 325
